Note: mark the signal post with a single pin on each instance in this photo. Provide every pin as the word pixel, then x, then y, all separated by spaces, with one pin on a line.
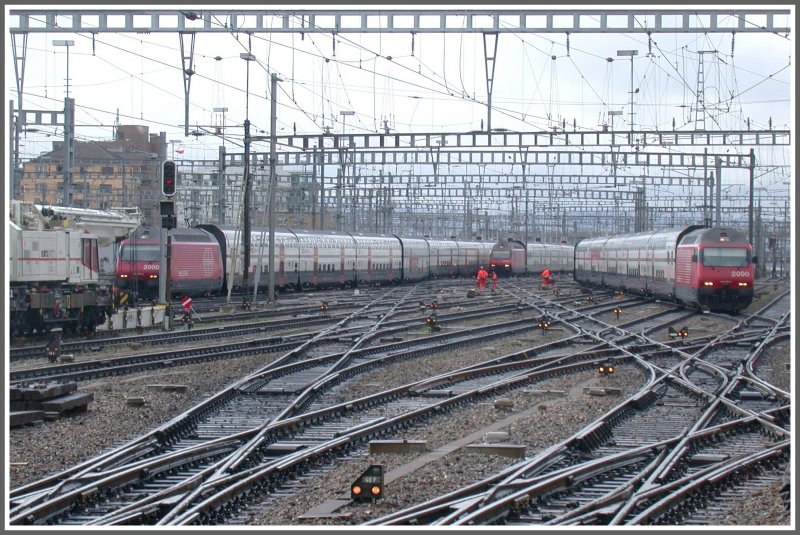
pixel 169 176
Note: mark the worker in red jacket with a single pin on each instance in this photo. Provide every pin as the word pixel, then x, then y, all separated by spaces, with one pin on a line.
pixel 494 280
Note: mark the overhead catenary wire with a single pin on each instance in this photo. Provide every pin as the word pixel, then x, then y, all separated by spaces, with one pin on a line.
pixel 375 75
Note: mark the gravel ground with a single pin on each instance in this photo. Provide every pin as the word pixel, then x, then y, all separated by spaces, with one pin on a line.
pixel 555 419
pixel 37 451
pixel 44 449
pixel 763 508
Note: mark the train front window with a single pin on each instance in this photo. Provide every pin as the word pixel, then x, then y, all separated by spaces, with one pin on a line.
pixel 724 257
pixel 140 253
pixel 501 254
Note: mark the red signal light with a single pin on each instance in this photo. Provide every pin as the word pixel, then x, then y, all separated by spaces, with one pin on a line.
pixel 169 178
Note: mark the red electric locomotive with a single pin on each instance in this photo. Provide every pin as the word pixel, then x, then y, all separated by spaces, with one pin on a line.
pixel 513 257
pixel 715 268
pixel 195 263
pixel 711 268
pixel 507 258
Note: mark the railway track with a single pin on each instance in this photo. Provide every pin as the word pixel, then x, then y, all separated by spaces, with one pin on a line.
pixel 669 455
pixel 104 367
pixel 323 310
pixel 277 424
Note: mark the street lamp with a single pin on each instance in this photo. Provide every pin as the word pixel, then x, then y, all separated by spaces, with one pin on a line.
pixel 60 42
pixel 344 114
pixel 612 114
pixel 623 54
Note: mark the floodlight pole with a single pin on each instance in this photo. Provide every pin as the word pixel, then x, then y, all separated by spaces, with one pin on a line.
pixel 629 53
pixel 60 42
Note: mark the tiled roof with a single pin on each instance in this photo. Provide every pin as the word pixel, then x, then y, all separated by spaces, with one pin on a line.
pixel 95 151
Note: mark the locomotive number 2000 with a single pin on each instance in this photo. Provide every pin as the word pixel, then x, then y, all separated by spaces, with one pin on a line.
pixel 740 273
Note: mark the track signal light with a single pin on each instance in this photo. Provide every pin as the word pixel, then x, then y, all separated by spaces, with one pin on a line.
pixel 606 368
pixel 169 178
pixel 544 324
pixel 369 485
pixel 682 333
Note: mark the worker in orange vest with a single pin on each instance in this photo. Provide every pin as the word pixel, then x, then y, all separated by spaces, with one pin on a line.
pixel 482 276
pixel 546 278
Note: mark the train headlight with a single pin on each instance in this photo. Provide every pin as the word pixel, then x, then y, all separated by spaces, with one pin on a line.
pixel 708 283
pixel 743 284
pixel 123 276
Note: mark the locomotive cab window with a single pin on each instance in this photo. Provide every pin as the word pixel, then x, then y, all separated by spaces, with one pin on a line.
pixel 724 257
pixel 140 253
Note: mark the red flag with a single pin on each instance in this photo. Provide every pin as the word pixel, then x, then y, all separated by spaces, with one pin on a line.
pixel 186 301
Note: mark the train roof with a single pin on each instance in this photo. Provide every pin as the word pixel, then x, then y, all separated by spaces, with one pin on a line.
pixel 153 235
pixel 676 232
pixel 714 236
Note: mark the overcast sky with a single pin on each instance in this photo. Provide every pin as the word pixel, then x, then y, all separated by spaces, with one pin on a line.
pixel 424 83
